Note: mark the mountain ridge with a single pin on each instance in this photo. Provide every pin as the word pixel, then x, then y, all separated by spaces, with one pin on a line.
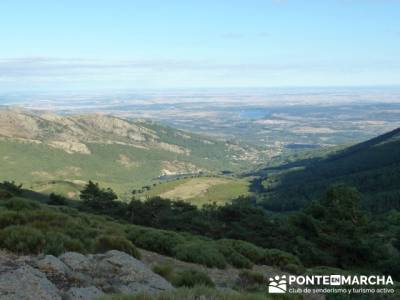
pixel 38 147
pixel 373 167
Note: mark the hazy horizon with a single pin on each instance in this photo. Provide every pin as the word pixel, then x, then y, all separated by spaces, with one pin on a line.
pixel 100 45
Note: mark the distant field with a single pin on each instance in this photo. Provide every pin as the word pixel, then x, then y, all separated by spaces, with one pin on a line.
pixel 45 169
pixel 201 190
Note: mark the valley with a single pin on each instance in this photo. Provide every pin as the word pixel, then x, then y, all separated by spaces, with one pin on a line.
pixel 200 205
pixel 200 150
pixel 52 153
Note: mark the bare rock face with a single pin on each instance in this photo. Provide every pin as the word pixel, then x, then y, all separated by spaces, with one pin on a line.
pixel 87 293
pixel 76 261
pixel 51 264
pixel 26 283
pixel 122 273
pixel 74 276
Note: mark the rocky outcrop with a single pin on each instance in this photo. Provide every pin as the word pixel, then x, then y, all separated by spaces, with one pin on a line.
pixel 51 264
pixel 76 261
pixel 26 283
pixel 121 273
pixel 86 293
pixel 75 276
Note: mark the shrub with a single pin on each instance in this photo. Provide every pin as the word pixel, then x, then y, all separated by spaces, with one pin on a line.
pixel 239 261
pixel 11 187
pixel 234 258
pixel 55 199
pixel 159 241
pixel 201 252
pixel 191 278
pixel 250 251
pixel 8 218
pixel 19 204
pixel 279 258
pixel 22 239
pixel 164 270
pixel 76 246
pixel 107 242
pixel 55 243
pixel 293 269
pixel 251 281
pixel 5 194
pixel 47 220
pixel 134 232
pixel 80 232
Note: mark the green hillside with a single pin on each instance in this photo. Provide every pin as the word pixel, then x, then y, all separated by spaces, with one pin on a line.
pixel 200 190
pixel 49 152
pixel 373 167
pixel 31 227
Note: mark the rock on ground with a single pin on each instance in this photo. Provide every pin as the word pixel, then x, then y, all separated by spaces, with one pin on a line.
pixel 123 273
pixel 74 276
pixel 52 264
pixel 76 261
pixel 26 283
pixel 87 293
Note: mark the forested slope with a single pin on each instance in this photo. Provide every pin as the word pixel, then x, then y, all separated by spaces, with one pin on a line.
pixel 373 167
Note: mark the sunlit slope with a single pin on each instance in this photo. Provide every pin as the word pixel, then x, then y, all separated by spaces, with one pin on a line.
pixel 200 190
pixel 62 151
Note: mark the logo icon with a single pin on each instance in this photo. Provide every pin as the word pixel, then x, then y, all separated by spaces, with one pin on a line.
pixel 335 280
pixel 277 285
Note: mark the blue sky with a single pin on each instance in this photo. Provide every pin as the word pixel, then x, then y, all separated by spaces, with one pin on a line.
pixel 76 44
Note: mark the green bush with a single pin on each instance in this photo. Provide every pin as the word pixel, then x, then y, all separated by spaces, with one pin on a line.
pixel 76 246
pixel 200 252
pixel 133 232
pixel 22 239
pixel 19 204
pixel 159 241
pixel 106 242
pixel 8 218
pixel 326 270
pixel 251 281
pixel 232 257
pixel 250 251
pixel 279 258
pixel 293 269
pixel 11 187
pixel 55 243
pixel 5 194
pixel 238 260
pixel 191 278
pixel 164 270
pixel 83 233
pixel 55 199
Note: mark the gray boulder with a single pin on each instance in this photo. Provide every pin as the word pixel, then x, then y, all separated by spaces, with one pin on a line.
pixel 26 283
pixel 124 274
pixel 51 264
pixel 76 261
pixel 86 293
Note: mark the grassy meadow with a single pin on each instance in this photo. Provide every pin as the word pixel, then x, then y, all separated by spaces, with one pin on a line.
pixel 201 190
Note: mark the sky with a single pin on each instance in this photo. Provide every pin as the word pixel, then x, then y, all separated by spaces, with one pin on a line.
pixel 160 44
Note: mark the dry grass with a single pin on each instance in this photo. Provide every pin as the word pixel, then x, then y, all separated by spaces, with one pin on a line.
pixel 193 188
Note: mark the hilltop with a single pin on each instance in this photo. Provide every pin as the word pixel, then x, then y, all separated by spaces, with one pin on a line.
pixel 50 152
